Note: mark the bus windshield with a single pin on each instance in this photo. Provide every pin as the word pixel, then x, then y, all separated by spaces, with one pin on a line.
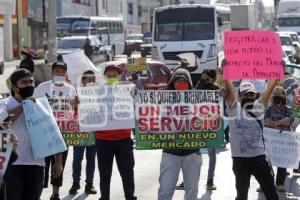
pixel 288 21
pixel 73 23
pixel 185 24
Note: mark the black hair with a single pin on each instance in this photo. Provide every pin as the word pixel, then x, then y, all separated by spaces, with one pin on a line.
pixel 211 73
pixel 59 64
pixel 16 76
pixel 88 72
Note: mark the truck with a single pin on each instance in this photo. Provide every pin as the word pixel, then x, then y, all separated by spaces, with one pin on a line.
pixel 243 17
pixel 288 15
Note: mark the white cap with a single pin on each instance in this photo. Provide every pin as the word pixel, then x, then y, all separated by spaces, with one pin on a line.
pixel 247 87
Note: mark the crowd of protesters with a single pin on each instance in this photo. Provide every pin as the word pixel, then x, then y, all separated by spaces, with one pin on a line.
pixel 26 177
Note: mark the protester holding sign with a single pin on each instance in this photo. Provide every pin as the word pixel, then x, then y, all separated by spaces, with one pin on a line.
pixel 115 143
pixel 61 97
pixel 279 116
pixel 189 160
pixel 88 79
pixel 246 138
pixel 26 172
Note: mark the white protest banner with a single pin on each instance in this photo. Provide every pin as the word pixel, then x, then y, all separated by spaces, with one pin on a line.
pixel 283 149
pixel 5 150
pixel 44 134
pixel 106 107
pixel 78 63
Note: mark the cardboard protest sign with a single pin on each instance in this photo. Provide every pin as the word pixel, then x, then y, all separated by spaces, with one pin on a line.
pixel 106 107
pixel 5 150
pixel 179 119
pixel 77 64
pixel 44 134
pixel 79 139
pixel 253 55
pixel 136 64
pixel 283 149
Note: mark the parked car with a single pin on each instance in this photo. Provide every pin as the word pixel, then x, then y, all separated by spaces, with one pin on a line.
pixel 146 47
pixel 287 45
pixel 132 43
pixel 285 57
pixel 71 44
pixel 294 36
pixel 156 77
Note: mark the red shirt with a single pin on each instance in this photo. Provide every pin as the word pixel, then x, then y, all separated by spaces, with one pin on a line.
pixel 118 134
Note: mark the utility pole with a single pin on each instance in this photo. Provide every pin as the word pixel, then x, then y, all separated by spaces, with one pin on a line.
pixel 20 26
pixel 52 33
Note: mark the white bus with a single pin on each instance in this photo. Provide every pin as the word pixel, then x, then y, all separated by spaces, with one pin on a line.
pixel 289 16
pixel 79 25
pixel 186 28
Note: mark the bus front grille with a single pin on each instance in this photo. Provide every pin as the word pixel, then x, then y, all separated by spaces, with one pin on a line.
pixel 173 55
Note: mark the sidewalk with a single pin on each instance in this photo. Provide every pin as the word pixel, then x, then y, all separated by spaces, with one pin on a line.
pixel 147 174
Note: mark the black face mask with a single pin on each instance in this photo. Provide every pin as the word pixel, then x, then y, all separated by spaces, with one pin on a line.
pixel 247 103
pixel 205 85
pixel 26 91
pixel 278 99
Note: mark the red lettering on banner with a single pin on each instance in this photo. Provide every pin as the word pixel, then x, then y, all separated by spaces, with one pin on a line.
pixel 149 110
pixel 166 123
pixel 142 124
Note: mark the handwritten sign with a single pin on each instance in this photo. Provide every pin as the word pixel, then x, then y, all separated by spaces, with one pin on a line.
pixel 136 64
pixel 42 128
pixel 79 139
pixel 106 108
pixel 178 120
pixel 283 149
pixel 252 55
pixel 5 150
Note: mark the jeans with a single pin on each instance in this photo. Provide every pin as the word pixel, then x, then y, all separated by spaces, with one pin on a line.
pixel 212 154
pixel 257 166
pixel 170 166
pixel 280 176
pixel 24 182
pixel 50 161
pixel 90 155
pixel 123 151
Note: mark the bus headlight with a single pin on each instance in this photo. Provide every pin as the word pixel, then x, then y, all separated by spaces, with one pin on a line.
pixel 212 51
pixel 154 53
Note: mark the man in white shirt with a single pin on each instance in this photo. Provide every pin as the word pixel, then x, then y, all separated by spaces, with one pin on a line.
pixel 24 179
pixel 62 98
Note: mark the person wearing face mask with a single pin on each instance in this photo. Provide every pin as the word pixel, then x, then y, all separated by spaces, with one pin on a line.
pixel 115 143
pixel 189 160
pixel 279 116
pixel 62 99
pixel 88 79
pixel 24 178
pixel 246 114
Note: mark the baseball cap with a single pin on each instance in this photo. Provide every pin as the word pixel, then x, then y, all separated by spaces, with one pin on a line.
pixel 247 87
pixel 112 68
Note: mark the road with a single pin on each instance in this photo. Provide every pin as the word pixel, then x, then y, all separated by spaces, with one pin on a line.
pixel 147 174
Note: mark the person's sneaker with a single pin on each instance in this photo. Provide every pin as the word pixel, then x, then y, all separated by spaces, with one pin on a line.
pixel 55 197
pixel 259 189
pixel 210 185
pixel 180 186
pixel 89 189
pixel 280 188
pixel 74 188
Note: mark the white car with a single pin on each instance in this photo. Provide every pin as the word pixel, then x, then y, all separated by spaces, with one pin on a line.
pixel 287 45
pixel 294 36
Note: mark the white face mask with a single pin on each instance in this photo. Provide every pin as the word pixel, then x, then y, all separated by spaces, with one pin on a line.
pixel 58 79
pixel 90 84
